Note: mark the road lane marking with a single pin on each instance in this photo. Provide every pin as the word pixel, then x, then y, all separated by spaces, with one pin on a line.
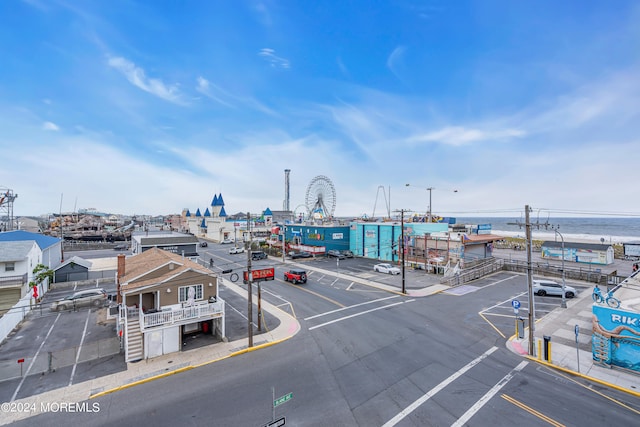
pixel 84 332
pixel 409 409
pixel 488 396
pixel 351 306
pixel 492 325
pixel 359 314
pixel 531 410
pixel 15 393
pixel 313 293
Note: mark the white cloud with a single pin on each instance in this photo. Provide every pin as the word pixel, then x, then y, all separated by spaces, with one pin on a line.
pixel 50 126
pixel 458 135
pixel 137 77
pixel 276 61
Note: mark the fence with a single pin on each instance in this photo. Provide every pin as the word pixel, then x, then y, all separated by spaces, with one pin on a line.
pixel 491 265
pixel 570 273
pixel 50 361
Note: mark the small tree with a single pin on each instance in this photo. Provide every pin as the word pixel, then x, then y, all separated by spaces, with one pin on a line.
pixel 41 274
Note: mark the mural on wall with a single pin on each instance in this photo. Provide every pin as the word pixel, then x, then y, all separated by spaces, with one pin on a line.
pixel 616 337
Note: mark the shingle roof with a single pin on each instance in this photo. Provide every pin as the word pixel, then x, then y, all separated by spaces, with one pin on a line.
pixel 15 251
pixel 76 260
pixel 20 235
pixel 137 266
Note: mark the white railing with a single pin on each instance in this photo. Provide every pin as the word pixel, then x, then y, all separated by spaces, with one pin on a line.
pixel 182 315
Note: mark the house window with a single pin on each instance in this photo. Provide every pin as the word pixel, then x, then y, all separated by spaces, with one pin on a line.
pixel 183 293
pixel 9 266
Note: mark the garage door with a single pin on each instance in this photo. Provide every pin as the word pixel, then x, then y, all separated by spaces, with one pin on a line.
pixel 8 298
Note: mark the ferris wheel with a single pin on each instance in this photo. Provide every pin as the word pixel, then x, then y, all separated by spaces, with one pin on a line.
pixel 320 198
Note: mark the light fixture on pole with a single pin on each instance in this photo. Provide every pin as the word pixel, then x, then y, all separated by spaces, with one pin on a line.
pixel 429 189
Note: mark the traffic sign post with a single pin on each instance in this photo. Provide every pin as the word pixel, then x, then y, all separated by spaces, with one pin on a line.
pixel 576 329
pixel 277 402
pixel 516 306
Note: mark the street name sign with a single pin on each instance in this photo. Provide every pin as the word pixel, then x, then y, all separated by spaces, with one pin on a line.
pixel 283 399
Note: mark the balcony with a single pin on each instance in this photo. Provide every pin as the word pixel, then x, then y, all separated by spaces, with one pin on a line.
pixel 13 281
pixel 181 316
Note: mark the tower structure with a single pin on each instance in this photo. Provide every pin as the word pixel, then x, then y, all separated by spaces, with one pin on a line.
pixel 7 197
pixel 286 190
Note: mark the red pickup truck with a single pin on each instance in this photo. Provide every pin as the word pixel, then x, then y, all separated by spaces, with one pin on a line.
pixel 295 276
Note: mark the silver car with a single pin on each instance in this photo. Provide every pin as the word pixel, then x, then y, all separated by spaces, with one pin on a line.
pixel 91 297
pixel 386 268
pixel 549 287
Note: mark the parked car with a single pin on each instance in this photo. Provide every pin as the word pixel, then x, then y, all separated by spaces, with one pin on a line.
pixel 203 244
pixel 226 242
pixel 92 297
pixel 295 276
pixel 122 247
pixel 301 254
pixel 258 255
pixel 235 250
pixel 335 253
pixel 347 253
pixel 386 268
pixel 549 287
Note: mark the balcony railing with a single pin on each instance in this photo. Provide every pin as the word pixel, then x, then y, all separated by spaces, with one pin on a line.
pixel 13 281
pixel 182 316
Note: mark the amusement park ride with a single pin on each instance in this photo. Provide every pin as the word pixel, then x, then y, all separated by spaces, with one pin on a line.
pixel 320 199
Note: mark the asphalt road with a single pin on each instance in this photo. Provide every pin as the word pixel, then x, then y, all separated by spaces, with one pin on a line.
pixel 371 358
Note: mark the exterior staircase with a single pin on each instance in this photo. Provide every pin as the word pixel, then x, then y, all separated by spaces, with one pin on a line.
pixel 133 351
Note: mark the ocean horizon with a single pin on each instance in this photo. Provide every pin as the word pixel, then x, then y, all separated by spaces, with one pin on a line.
pixel 596 230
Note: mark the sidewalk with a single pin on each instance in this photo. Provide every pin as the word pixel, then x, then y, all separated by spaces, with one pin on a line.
pixel 560 326
pixel 170 364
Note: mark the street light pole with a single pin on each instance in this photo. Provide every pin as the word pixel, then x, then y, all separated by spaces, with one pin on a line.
pixel 564 298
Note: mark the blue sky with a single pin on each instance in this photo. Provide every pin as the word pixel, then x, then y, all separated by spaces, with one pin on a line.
pixel 149 107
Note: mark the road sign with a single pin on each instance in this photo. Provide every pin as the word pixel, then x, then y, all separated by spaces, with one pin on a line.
pixel 577 331
pixel 283 399
pixel 259 275
pixel 515 311
pixel 277 423
pixel 516 304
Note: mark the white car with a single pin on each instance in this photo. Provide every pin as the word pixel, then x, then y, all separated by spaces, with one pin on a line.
pixel 386 268
pixel 236 250
pixel 549 287
pixel 226 241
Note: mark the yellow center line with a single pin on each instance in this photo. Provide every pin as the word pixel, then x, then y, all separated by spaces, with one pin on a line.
pixel 532 411
pixel 492 325
pixel 313 293
pixel 600 394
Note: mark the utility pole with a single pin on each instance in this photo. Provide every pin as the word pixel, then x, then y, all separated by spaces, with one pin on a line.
pixel 401 245
pixel 249 280
pixel 532 309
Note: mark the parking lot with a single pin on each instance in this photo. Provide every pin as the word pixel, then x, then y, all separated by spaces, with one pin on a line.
pixel 60 348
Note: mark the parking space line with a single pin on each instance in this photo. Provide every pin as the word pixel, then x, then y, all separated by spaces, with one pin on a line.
pixel 84 332
pixel 15 393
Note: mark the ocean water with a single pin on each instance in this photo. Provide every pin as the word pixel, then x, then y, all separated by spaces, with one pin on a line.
pixel 607 230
